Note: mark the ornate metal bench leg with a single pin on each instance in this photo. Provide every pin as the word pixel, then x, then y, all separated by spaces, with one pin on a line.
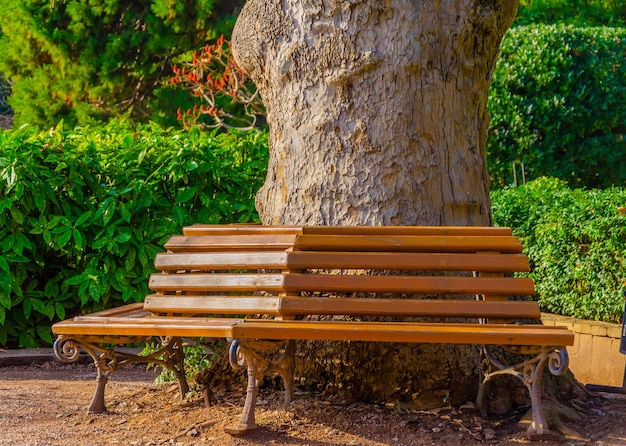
pixel 243 354
pixel 68 350
pixel 107 361
pixel 557 361
pixel 240 356
pixel 97 402
pixel 529 372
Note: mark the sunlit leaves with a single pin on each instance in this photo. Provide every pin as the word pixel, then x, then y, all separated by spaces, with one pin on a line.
pixel 83 214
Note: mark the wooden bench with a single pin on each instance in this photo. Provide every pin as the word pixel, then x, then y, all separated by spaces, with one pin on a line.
pixel 283 278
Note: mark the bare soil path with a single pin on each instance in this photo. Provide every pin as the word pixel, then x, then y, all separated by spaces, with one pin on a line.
pixel 45 404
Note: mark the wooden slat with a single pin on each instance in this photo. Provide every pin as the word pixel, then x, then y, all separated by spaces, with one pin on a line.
pixel 504 334
pixel 247 242
pixel 341 306
pixel 148 326
pixel 501 334
pixel 202 229
pixel 409 284
pixel 216 282
pixel 158 303
pixel 408 261
pixel 221 260
pixel 409 307
pixel 408 230
pixel 420 243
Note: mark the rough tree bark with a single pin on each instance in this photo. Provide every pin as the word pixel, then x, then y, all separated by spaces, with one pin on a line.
pixel 377 115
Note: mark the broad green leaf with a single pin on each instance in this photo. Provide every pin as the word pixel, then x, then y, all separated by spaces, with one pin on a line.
pixel 27 340
pixel 123 238
pixel 179 215
pixel 45 334
pixel 106 210
pixel 186 195
pixel 5 300
pixel 79 242
pixel 60 310
pixel 82 219
pixel 76 280
pixel 27 307
pixel 124 212
pixel 4 266
pixel 64 239
pixel 17 215
pixel 95 290
pixel 100 243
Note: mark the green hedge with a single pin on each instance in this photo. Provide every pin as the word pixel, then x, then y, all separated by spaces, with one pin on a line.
pixel 558 105
pixel 576 12
pixel 84 212
pixel 576 242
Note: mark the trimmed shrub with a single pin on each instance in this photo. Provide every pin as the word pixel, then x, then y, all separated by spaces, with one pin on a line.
pixel 558 105
pixel 576 242
pixel 573 12
pixel 84 212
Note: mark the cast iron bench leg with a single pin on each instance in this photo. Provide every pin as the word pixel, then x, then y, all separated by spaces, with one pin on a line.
pixel 242 355
pixel 529 372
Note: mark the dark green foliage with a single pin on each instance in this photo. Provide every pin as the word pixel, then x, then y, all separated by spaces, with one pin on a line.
pixel 557 104
pixel 83 60
pixel 84 212
pixel 576 242
pixel 5 92
pixel 573 12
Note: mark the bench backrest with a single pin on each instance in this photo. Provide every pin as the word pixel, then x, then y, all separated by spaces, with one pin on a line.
pixel 377 271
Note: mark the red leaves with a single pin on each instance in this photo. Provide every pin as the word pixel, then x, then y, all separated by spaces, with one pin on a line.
pixel 211 74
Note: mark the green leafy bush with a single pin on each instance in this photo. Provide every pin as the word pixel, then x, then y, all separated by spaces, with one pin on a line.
pixel 576 242
pixel 574 12
pixel 84 212
pixel 557 104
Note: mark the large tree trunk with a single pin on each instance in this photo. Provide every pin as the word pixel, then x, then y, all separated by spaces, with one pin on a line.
pixel 377 115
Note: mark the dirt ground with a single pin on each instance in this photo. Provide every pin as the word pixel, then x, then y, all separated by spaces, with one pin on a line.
pixel 45 404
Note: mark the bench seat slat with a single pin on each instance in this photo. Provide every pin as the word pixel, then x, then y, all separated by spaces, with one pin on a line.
pixel 183 243
pixel 501 334
pixel 148 326
pixel 408 230
pixel 409 284
pixel 420 243
pixel 341 306
pixel 408 261
pixel 221 260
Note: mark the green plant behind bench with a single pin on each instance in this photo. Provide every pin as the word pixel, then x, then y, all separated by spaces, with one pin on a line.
pixel 557 106
pixel 576 242
pixel 84 212
pixel 576 12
